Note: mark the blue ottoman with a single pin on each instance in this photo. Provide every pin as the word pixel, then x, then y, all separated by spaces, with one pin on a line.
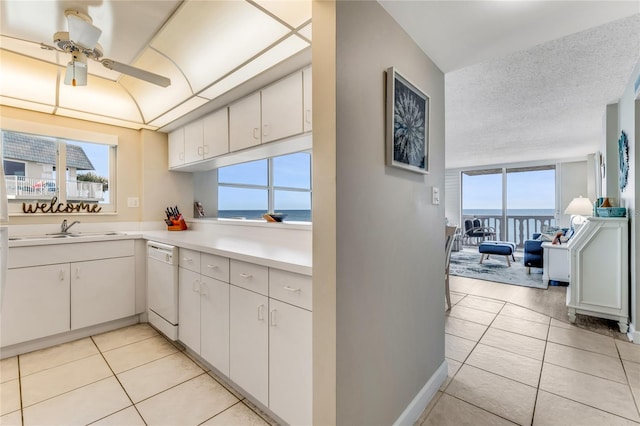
pixel 503 248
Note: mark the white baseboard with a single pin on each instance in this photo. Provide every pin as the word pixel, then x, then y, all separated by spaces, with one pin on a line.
pixel 422 399
pixel 633 334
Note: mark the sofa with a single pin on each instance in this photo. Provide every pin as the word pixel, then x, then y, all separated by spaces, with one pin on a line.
pixel 533 252
pixel 533 249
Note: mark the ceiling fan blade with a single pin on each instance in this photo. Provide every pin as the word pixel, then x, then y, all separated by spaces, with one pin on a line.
pixel 136 72
pixel 81 31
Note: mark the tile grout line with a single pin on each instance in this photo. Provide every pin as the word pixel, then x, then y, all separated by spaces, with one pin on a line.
pixel 20 391
pixel 544 354
pixel 120 383
pixel 633 396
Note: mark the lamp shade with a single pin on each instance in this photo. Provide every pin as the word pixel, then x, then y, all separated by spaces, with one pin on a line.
pixel 580 206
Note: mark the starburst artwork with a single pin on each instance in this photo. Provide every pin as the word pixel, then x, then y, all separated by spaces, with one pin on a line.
pixel 407 124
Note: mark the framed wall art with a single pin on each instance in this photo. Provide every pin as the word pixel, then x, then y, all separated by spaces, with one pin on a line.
pixel 407 136
pixel 623 163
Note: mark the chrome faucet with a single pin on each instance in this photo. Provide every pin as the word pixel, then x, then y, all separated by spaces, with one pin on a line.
pixel 64 228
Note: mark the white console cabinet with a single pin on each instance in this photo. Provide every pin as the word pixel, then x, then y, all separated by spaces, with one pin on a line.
pixel 599 256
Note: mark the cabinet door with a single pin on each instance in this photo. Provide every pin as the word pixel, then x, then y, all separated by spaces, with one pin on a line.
pixel 290 370
pixel 102 290
pixel 306 99
pixel 193 140
pixel 244 123
pixel 282 108
pixel 176 148
pixel 214 323
pixel 189 308
pixel 216 133
pixel 35 303
pixel 249 342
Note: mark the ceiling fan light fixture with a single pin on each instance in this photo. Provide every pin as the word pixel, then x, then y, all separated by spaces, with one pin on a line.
pixel 81 30
pixel 76 74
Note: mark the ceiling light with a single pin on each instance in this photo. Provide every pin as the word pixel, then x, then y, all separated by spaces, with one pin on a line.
pixel 76 74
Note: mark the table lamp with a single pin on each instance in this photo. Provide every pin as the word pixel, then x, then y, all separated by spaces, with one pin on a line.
pixel 578 208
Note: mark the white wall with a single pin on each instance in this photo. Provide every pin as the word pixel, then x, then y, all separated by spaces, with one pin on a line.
pixel 629 122
pixel 610 151
pixel 389 239
pixel 572 180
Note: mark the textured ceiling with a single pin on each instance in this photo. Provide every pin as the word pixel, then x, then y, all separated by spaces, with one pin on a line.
pixel 544 103
pixel 524 80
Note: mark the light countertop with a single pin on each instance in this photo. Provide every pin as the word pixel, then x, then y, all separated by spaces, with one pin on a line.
pixel 274 254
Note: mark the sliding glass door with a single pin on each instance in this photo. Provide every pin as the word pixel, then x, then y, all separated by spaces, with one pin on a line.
pixel 516 202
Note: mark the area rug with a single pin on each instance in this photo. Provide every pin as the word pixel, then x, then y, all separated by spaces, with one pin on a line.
pixel 466 263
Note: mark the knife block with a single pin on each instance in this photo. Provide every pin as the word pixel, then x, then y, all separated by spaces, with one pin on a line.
pixel 178 224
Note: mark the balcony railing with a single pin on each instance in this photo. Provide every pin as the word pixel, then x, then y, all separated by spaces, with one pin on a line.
pixel 518 228
pixel 21 187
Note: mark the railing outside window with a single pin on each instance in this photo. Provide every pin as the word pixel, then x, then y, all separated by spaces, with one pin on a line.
pixel 29 188
pixel 518 229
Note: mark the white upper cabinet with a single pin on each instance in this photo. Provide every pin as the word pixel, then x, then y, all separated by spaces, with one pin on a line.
pixel 282 108
pixel 193 141
pixel 244 123
pixel 306 99
pixel 207 137
pixel 176 148
pixel 215 134
pixel 276 112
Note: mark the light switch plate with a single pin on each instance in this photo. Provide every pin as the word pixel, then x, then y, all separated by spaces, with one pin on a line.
pixel 133 202
pixel 435 195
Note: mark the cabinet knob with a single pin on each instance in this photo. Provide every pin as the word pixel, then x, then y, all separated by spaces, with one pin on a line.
pixel 266 129
pixel 245 275
pixel 273 318
pixel 256 133
pixel 291 289
pixel 307 116
pixel 61 275
pixel 213 267
pixel 196 286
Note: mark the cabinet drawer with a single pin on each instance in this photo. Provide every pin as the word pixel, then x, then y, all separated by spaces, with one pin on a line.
pixel 250 276
pixel 213 266
pixel 190 259
pixel 290 287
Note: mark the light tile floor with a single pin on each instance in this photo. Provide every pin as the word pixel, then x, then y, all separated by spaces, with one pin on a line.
pixel 130 376
pixel 512 365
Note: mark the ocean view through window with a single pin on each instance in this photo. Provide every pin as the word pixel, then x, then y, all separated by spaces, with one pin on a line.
pixel 279 185
pixel 516 202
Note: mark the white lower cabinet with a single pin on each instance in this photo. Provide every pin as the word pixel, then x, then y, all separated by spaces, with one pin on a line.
pixel 214 323
pixel 290 393
pixel 249 342
pixel 35 303
pixel 52 289
pixel 253 324
pixel 102 291
pixel 203 311
pixel 189 308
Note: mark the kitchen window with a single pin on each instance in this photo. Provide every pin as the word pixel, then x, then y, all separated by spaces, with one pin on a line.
pixel 278 184
pixel 39 168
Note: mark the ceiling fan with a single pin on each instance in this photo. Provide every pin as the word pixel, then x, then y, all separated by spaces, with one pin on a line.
pixel 81 41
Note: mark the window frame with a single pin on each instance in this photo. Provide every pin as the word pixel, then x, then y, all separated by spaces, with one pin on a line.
pixel 270 187
pixel 64 135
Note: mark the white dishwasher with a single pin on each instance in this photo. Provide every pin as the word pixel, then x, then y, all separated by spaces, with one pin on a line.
pixel 162 288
